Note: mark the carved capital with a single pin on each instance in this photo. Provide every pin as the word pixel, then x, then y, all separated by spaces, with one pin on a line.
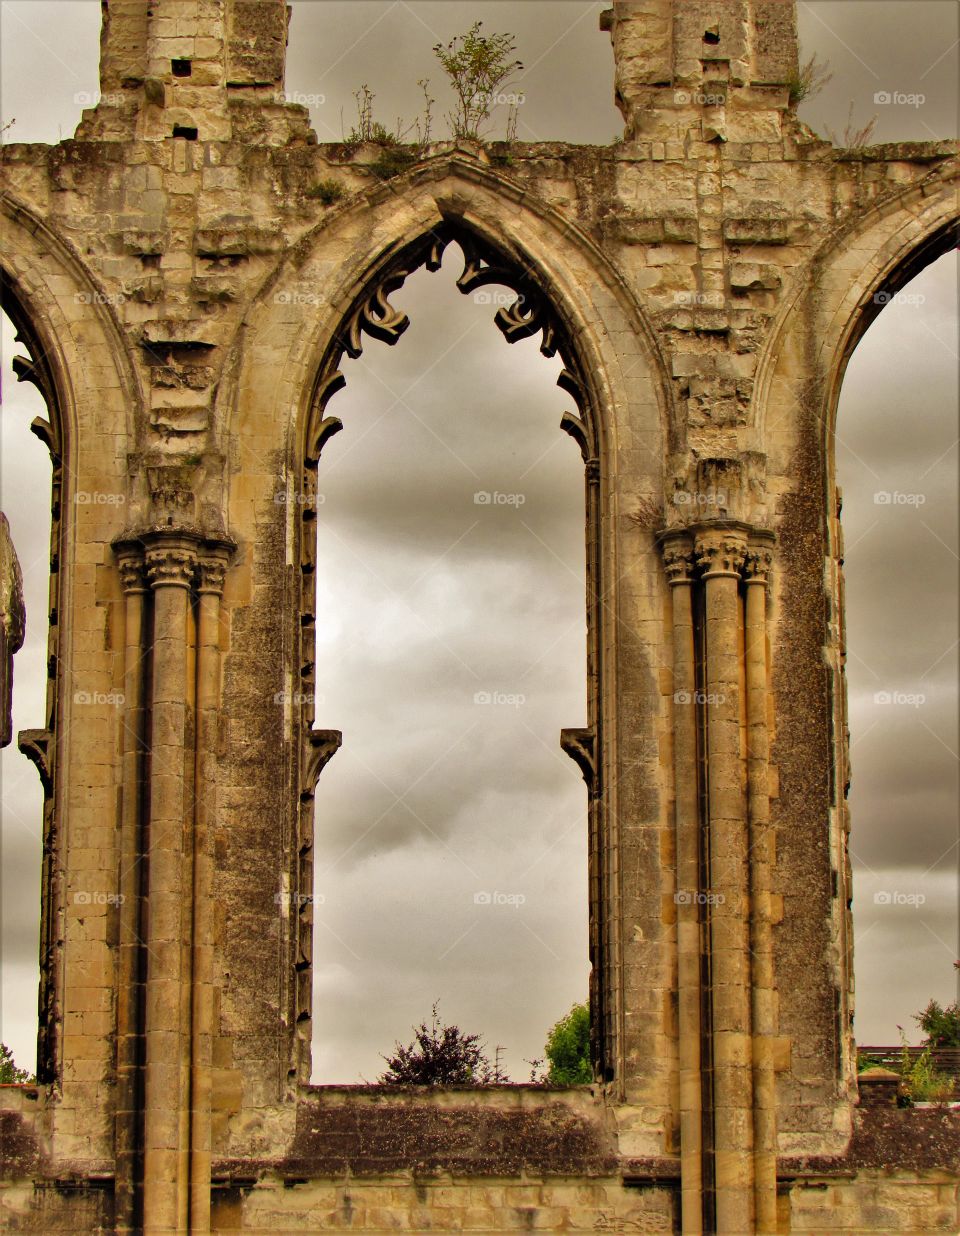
pixel 131 566
pixel 213 562
pixel 757 564
pixel 720 551
pixel 171 560
pixel 679 559
pixel 581 746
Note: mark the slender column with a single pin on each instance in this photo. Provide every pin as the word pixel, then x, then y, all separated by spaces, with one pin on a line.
pixel 763 995
pixel 130 979
pixel 213 566
pixel 171 565
pixel 720 553
pixel 679 561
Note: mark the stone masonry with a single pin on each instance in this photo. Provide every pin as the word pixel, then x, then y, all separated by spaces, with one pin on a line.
pixel 185 290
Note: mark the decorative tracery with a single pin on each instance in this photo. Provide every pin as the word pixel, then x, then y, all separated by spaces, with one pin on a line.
pixel 372 314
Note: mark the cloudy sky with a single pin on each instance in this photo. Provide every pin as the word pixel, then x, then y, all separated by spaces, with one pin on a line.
pixel 452 628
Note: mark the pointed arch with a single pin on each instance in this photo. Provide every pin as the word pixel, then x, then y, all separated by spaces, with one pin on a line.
pixel 283 371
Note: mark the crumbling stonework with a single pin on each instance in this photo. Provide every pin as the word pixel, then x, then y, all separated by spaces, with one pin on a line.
pixel 186 299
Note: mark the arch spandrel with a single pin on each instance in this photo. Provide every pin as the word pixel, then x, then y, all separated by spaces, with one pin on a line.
pixel 335 263
pixel 832 304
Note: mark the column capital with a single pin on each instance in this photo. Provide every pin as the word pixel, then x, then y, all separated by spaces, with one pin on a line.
pixel 757 564
pixel 171 560
pixel 720 551
pixel 214 560
pixel 131 566
pixel 679 558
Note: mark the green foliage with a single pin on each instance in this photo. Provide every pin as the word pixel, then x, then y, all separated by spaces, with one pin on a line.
pixel 393 160
pixel 442 1056
pixel 479 68
pixel 867 1062
pixel 809 80
pixel 328 192
pixel 568 1049
pixel 9 1072
pixel 922 1081
pixel 940 1025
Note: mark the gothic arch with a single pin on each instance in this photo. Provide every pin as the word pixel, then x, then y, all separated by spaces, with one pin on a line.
pixel 75 362
pixel 284 371
pixel 817 330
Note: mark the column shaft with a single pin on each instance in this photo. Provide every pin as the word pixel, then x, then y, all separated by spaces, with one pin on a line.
pixel 761 859
pixel 687 824
pixel 130 954
pixel 168 1005
pixel 727 897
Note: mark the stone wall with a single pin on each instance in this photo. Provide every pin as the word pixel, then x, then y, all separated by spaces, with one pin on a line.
pixel 189 295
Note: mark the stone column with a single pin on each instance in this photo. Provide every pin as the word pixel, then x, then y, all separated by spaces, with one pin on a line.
pixel 720 553
pixel 171 566
pixel 763 993
pixel 130 562
pixel 214 559
pixel 679 562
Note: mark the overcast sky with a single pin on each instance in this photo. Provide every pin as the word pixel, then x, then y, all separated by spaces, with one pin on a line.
pixel 432 603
